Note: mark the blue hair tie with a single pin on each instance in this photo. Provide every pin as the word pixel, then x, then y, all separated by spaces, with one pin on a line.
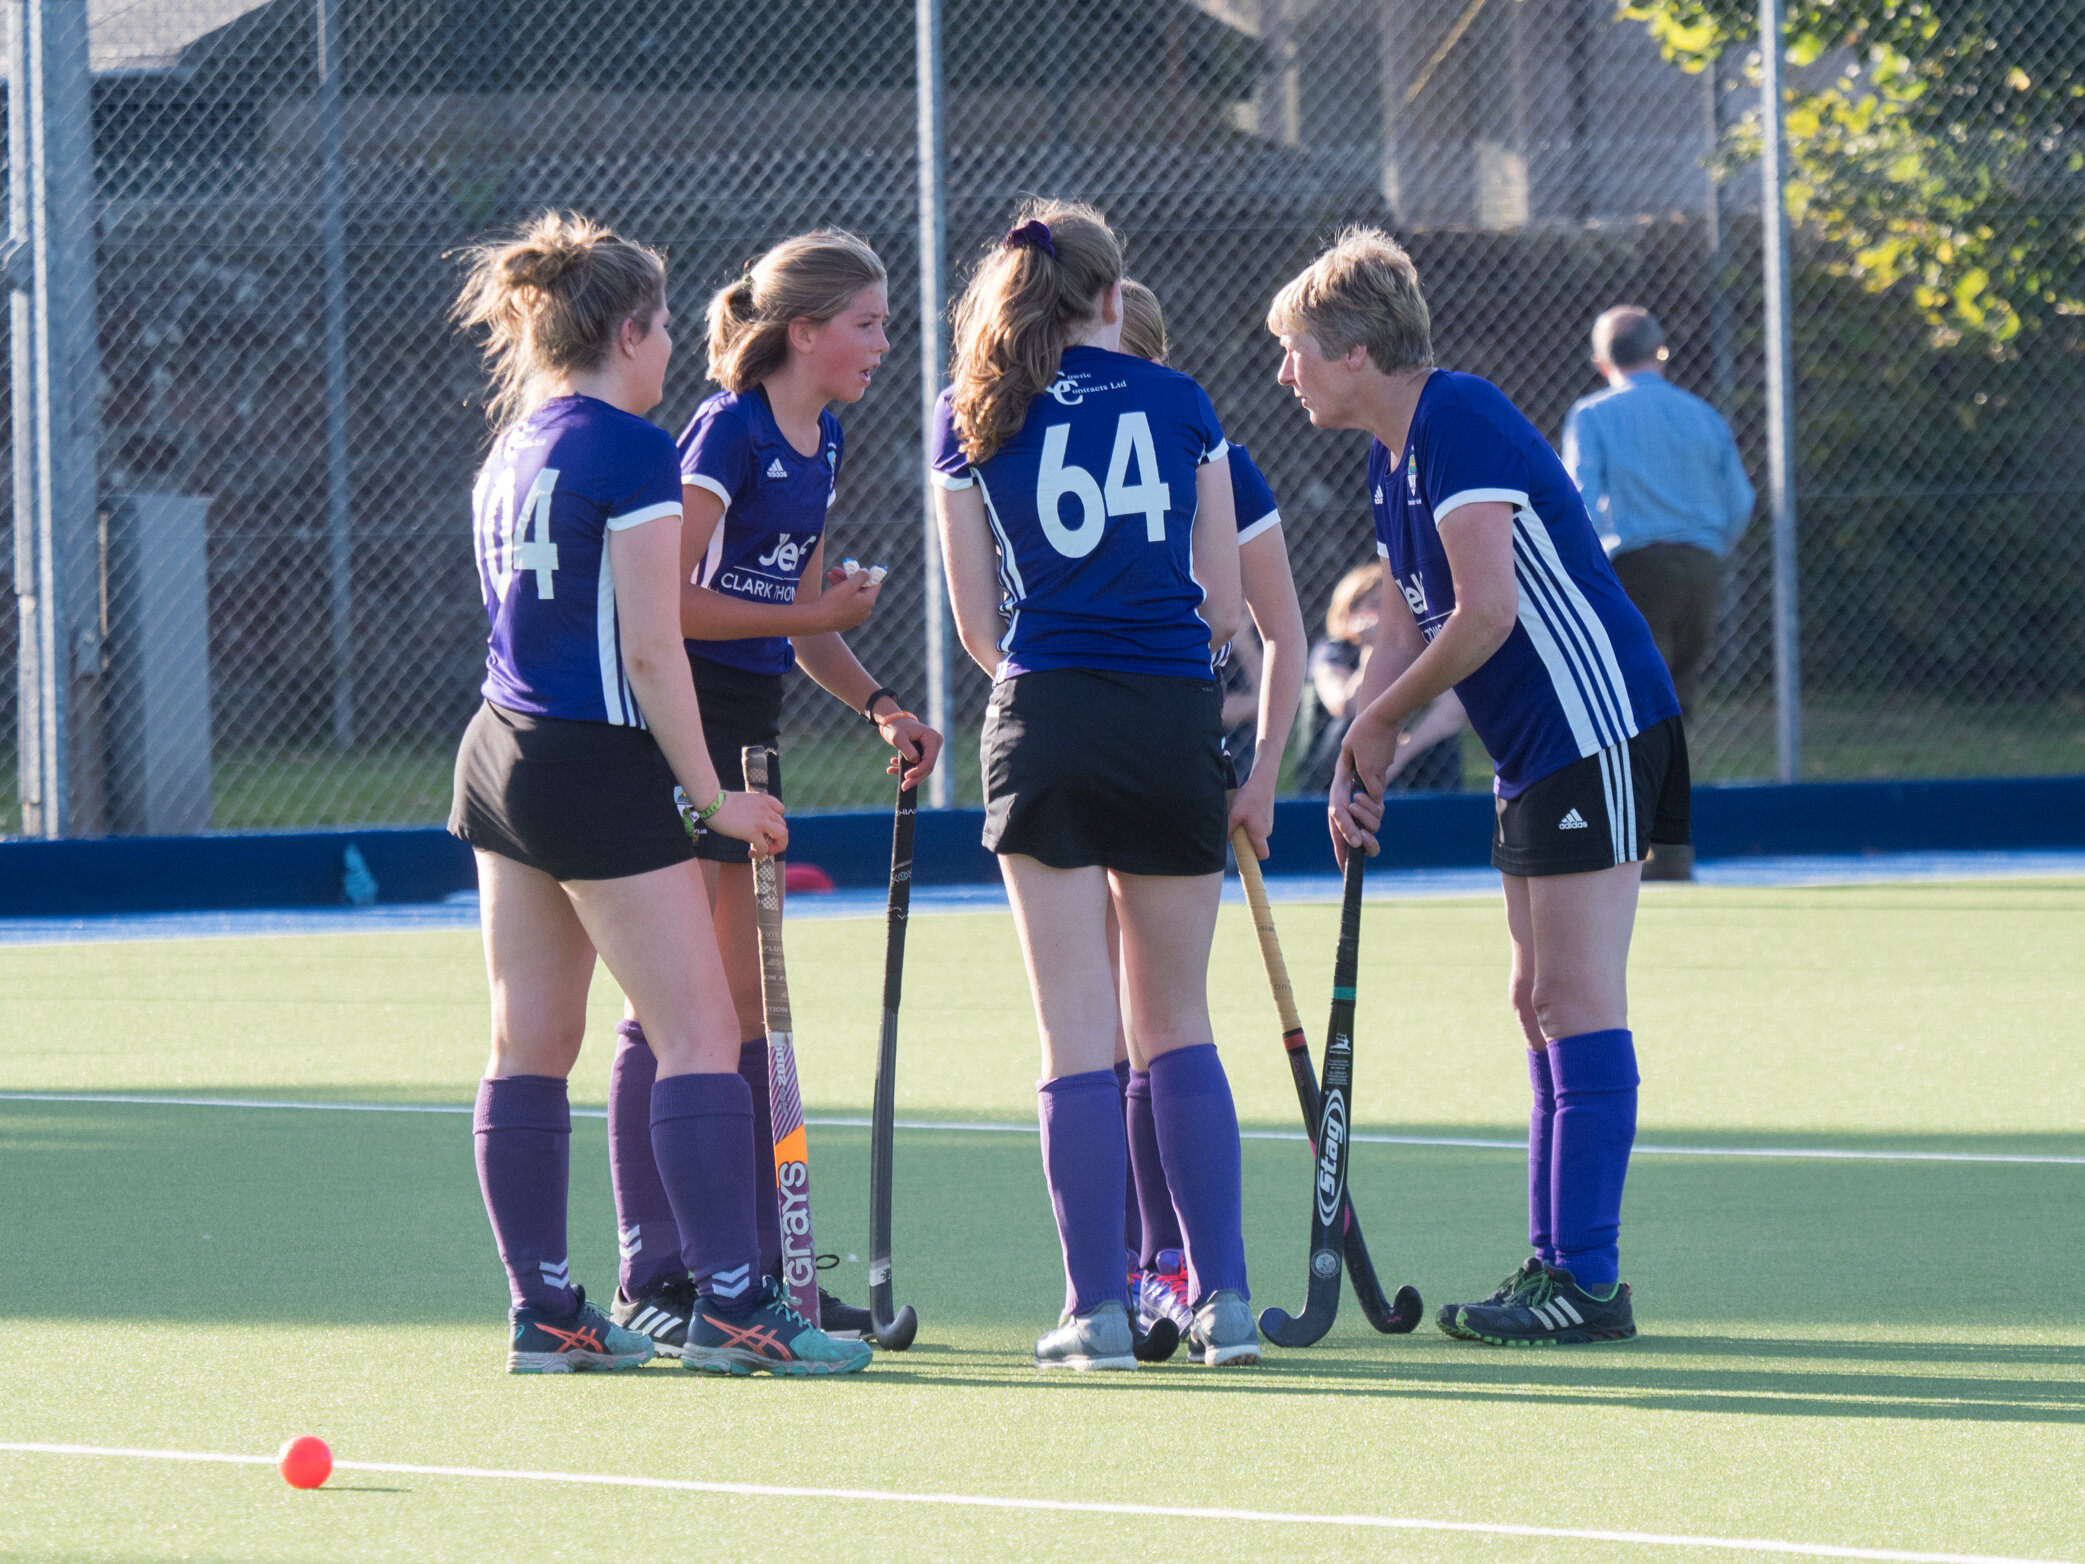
pixel 1031 235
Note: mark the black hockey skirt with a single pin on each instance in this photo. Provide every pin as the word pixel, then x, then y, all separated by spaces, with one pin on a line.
pixel 739 710
pixel 1122 770
pixel 578 800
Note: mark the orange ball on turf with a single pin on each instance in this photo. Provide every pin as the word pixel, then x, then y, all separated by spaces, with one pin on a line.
pixel 305 1462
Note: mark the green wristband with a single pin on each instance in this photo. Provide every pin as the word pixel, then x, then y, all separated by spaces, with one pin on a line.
pixel 712 807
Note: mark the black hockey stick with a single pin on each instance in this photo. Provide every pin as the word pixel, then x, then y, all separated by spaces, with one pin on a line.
pixel 893 1331
pixel 1392 1319
pixel 1328 1188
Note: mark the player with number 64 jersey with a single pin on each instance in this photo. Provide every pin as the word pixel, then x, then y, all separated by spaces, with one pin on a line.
pixel 1092 503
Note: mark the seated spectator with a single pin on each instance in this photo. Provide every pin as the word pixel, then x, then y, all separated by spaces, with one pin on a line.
pixel 1429 751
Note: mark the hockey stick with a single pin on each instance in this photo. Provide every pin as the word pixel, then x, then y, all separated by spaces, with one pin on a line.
pixel 1391 1319
pixel 1329 1171
pixel 893 1331
pixel 785 1101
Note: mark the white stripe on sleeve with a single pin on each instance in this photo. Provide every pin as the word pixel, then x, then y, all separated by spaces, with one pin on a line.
pixel 637 518
pixel 1517 498
pixel 1266 523
pixel 697 480
pixel 951 481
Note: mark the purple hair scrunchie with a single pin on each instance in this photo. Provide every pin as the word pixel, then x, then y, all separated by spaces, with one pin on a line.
pixel 1031 235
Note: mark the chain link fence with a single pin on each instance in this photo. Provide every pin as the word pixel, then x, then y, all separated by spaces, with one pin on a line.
pixel 281 624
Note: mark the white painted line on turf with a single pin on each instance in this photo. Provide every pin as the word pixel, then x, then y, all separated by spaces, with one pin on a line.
pixel 987 1127
pixel 1819 1550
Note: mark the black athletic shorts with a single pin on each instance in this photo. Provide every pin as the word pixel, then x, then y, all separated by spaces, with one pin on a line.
pixel 1604 810
pixel 739 709
pixel 578 800
pixel 1123 770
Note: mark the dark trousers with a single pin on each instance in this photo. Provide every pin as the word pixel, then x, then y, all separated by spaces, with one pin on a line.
pixel 1675 586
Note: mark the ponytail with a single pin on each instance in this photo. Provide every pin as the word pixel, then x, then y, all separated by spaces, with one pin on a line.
pixel 812 276
pixel 553 296
pixel 1022 305
pixel 1143 322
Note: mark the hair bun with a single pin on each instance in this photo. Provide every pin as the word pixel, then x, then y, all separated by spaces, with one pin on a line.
pixel 542 265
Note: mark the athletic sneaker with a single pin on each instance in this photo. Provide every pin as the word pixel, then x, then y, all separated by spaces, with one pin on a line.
pixel 1549 1310
pixel 661 1312
pixel 1224 1333
pixel 1161 1292
pixel 1100 1340
pixel 771 1338
pixel 843 1321
pixel 546 1343
pixel 1449 1317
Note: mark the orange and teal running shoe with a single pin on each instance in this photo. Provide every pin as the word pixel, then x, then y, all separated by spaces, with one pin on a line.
pixel 770 1338
pixel 546 1343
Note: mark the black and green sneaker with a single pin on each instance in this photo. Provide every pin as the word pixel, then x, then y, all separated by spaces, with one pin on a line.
pixel 1449 1317
pixel 1549 1310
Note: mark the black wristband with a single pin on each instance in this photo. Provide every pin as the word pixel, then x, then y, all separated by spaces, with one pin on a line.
pixel 869 705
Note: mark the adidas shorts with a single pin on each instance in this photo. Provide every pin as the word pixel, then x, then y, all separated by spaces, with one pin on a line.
pixel 1604 810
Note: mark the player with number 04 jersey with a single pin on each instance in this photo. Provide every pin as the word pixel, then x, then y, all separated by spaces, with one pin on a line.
pixel 1092 549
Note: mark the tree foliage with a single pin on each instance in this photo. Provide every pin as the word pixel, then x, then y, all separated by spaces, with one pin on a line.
pixel 1944 152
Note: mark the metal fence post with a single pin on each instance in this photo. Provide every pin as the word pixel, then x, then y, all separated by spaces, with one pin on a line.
pixel 933 245
pixel 1780 393
pixel 56 373
pixel 339 559
pixel 36 699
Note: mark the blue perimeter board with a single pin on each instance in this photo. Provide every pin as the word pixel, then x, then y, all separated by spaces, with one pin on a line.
pixel 1422 831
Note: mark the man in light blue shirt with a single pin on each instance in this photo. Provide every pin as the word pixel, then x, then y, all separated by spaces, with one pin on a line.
pixel 1661 477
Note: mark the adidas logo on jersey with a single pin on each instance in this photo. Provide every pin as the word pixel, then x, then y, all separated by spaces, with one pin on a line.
pixel 775 469
pixel 1574 821
pixel 1379 494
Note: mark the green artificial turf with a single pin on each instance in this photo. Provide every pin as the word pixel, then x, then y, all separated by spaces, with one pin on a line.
pixel 1868 1353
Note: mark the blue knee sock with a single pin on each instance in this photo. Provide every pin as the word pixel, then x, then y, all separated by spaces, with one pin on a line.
pixel 702 1137
pixel 1595 1125
pixel 1541 1132
pixel 1198 1139
pixel 1086 1162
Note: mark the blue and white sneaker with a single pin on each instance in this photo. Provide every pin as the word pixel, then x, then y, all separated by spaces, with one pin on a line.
pixel 1161 1292
pixel 546 1343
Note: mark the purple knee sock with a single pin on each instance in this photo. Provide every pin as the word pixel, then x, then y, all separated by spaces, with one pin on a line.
pixel 1086 1161
pixel 702 1136
pixel 523 1131
pixel 1132 1218
pixel 1595 1074
pixel 1198 1137
pixel 1147 1168
pixel 1541 1135
pixel 767 1209
pixel 645 1231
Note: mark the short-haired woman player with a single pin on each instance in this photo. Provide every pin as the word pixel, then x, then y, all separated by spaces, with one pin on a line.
pixel 1101 480
pixel 1275 690
pixel 1515 607
pixel 759 465
pixel 565 786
